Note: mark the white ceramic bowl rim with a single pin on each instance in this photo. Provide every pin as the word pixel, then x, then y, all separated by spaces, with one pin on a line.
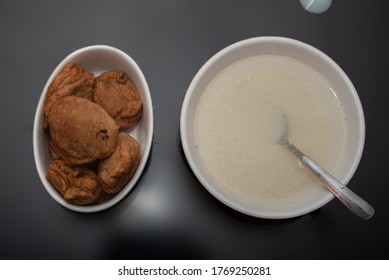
pixel 148 115
pixel 280 42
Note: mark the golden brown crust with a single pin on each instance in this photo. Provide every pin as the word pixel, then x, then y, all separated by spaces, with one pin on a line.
pixel 72 80
pixel 115 171
pixel 78 185
pixel 54 150
pixel 117 94
pixel 84 135
pixel 82 131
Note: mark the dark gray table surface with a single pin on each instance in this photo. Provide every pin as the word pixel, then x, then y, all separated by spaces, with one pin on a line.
pixel 169 214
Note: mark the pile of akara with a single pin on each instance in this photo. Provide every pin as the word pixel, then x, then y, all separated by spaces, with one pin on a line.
pixel 85 116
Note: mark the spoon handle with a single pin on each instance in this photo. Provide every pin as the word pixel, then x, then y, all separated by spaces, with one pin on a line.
pixel 355 203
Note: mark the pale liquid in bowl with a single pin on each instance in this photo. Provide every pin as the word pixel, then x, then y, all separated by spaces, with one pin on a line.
pixel 238 122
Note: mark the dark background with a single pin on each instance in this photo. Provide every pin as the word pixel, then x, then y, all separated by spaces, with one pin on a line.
pixel 169 214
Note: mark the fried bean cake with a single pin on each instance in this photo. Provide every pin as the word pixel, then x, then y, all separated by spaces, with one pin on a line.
pixel 72 80
pixel 118 95
pixel 81 130
pixel 115 171
pixel 77 184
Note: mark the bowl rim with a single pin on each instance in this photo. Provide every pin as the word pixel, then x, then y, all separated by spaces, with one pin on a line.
pixel 191 92
pixel 37 127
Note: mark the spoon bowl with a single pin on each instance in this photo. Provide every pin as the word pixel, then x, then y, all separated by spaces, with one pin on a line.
pixel 314 198
pixel 351 200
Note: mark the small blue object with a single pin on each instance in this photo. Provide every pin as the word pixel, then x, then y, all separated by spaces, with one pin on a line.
pixel 316 6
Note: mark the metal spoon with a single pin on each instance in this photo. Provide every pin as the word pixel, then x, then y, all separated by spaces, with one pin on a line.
pixel 355 203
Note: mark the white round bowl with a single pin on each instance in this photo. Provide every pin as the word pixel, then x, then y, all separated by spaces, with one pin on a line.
pixel 296 50
pixel 97 59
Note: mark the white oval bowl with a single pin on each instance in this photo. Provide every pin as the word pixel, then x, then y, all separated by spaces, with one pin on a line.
pixel 296 50
pixel 97 59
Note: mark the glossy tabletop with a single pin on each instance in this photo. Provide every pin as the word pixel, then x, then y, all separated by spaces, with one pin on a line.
pixel 169 214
